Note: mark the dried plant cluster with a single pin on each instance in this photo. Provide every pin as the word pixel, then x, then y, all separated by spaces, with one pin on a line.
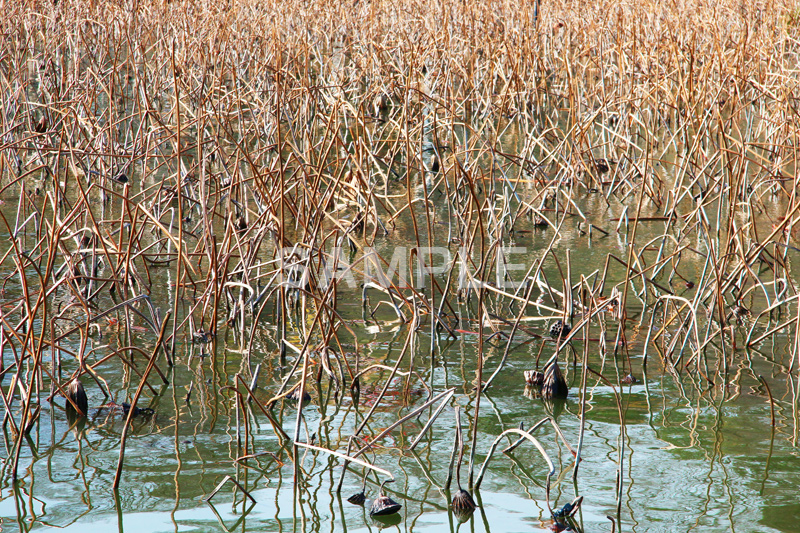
pixel 214 171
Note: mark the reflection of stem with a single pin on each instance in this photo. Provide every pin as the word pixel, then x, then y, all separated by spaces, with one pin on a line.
pixel 430 422
pixel 452 457
pixel 219 518
pixel 525 477
pixel 344 470
pixel 222 484
pixel 536 426
pixel 460 440
pixel 478 386
pixel 348 458
pixel 772 434
pixel 482 511
pixel 621 437
pixel 385 387
pixel 502 362
pixel 769 457
pixel 771 402
pixel 530 438
pixel 412 414
pixel 584 374
pixel 118 506
pixel 341 512
pixel 397 372
pixel 132 410
pixel 251 398
pixel 426 472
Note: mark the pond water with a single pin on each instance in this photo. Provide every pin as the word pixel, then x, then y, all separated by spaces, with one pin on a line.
pixel 694 455
pixel 591 171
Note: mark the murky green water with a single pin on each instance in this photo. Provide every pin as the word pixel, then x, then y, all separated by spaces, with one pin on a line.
pixel 689 445
pixel 694 456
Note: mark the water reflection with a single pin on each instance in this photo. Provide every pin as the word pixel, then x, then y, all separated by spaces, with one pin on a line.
pixel 690 445
pixel 178 456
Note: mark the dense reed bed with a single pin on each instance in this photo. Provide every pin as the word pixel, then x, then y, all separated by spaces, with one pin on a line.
pixel 209 177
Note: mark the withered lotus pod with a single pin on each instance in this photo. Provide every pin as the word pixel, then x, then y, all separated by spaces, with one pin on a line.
pixel 201 336
pixel 603 165
pixel 630 379
pixel 434 164
pixel 295 395
pixel 740 312
pixel 559 328
pixel 568 509
pixel 241 224
pixel 77 394
pixel 554 385
pixel 41 126
pixel 358 498
pixel 463 502
pixel 534 377
pixel 355 390
pixel 383 506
